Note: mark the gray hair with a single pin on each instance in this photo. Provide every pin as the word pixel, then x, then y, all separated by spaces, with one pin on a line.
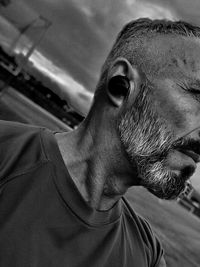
pixel 130 42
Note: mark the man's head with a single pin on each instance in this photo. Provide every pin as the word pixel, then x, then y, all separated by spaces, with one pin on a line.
pixel 158 118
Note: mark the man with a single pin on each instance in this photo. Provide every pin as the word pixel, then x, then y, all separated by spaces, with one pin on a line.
pixel 62 198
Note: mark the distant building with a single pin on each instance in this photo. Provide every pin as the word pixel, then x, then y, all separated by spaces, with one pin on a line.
pixel 190 200
pixel 35 90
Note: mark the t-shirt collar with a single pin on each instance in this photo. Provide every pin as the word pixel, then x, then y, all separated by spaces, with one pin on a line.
pixel 69 192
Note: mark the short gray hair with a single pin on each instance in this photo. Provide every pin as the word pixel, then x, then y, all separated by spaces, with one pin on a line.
pixel 131 39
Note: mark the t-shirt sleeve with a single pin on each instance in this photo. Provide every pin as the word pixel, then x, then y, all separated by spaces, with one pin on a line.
pixel 20 148
pixel 155 249
pixel 150 242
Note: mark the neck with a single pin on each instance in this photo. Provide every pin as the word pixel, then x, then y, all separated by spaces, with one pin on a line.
pixel 97 165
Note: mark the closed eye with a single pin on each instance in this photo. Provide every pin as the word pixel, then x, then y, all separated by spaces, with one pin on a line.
pixel 194 91
pixel 190 89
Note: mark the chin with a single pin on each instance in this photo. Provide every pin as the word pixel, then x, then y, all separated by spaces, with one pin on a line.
pixel 167 184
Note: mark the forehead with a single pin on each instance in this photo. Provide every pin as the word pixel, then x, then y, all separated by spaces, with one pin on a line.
pixel 173 57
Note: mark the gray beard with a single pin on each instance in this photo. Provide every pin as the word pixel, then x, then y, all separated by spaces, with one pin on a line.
pixel 147 141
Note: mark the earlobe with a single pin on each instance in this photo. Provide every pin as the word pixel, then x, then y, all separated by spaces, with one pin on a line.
pixel 118 89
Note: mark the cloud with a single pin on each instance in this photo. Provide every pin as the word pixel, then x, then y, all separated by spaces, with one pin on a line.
pixel 82 31
pixel 184 9
pixel 150 10
pixel 71 90
pixel 72 42
pixel 19 13
pixel 7 32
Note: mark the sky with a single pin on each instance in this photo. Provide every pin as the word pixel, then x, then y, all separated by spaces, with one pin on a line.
pixel 81 35
pixel 79 38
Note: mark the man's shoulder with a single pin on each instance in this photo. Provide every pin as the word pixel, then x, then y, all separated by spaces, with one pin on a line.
pixel 8 128
pixel 14 134
pixel 129 211
pixel 146 234
pixel 21 148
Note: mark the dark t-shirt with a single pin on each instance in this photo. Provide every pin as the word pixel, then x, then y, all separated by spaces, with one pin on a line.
pixel 44 221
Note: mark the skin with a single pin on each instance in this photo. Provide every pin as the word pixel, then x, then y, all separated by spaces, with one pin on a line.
pixel 93 153
pixel 180 108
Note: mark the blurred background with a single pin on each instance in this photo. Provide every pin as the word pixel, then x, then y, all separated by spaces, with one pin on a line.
pixel 51 53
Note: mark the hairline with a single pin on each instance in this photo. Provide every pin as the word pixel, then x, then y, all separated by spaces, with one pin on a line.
pixel 123 45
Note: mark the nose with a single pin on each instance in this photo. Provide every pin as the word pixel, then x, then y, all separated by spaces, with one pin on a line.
pixel 194 134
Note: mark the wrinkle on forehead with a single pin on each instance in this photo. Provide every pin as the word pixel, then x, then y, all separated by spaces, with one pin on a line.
pixel 168 56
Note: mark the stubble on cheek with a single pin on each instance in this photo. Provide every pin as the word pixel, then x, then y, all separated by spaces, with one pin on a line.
pixel 147 140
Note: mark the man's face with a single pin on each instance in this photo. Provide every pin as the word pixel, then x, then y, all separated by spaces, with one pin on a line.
pixel 161 129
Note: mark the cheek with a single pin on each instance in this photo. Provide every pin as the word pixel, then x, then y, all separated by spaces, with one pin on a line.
pixel 186 115
pixel 180 111
pixel 171 112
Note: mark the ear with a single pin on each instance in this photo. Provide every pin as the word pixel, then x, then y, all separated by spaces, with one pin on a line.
pixel 123 80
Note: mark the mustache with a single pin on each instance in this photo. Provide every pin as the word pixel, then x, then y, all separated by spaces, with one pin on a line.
pixel 187 144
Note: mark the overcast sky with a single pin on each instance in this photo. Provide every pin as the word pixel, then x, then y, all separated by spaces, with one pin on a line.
pixel 82 33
